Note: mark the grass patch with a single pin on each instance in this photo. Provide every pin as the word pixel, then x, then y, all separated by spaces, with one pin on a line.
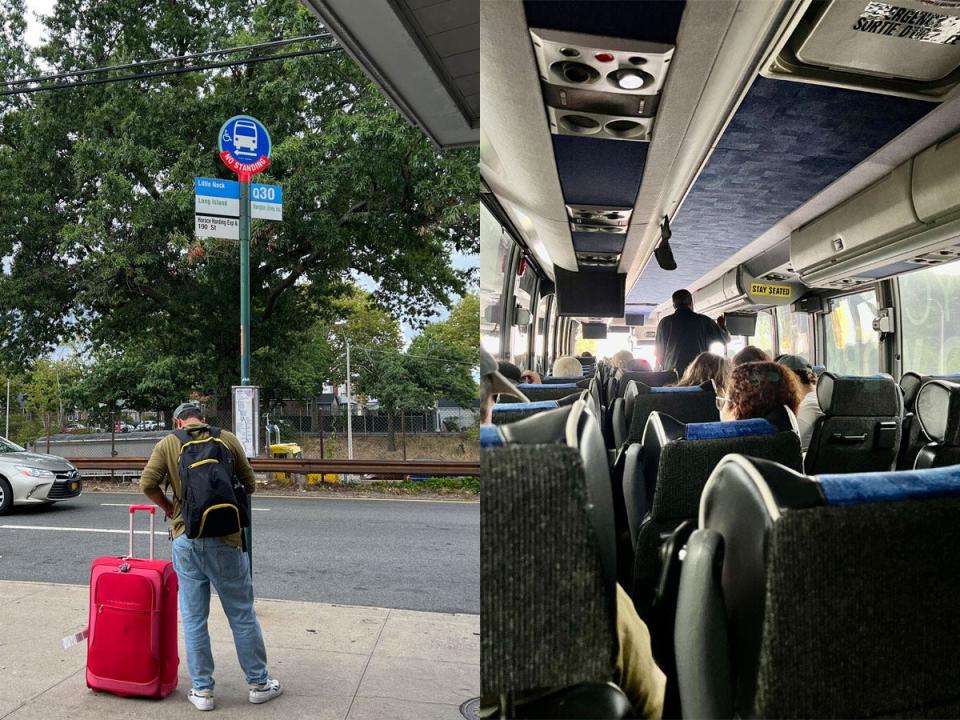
pixel 434 486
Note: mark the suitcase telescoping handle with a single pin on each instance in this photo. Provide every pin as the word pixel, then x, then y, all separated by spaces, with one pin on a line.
pixel 152 509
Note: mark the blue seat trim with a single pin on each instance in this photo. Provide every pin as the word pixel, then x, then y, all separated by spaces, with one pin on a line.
pixel 525 407
pixel 490 436
pixel 857 488
pixel 559 379
pixel 730 429
pixel 524 387
pixel 685 389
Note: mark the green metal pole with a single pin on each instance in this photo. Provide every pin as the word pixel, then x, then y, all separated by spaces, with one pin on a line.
pixel 244 283
pixel 245 320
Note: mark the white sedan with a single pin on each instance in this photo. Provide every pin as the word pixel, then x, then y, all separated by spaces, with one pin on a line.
pixel 28 478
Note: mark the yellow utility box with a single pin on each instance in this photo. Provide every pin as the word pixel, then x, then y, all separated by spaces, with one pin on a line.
pixel 294 451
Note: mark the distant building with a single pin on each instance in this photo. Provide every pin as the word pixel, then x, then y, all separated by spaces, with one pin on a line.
pixel 451 417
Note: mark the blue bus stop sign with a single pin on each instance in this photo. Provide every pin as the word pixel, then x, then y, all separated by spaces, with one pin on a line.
pixel 244 146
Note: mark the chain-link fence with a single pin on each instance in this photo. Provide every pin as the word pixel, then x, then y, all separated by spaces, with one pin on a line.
pixel 290 429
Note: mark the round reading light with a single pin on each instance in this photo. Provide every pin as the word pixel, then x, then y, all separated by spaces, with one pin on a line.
pixel 569 52
pixel 630 79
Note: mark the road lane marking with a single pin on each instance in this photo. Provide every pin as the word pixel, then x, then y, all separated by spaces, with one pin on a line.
pixel 76 529
pixel 127 505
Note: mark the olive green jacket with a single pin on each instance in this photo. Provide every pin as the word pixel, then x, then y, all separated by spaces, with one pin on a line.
pixel 164 465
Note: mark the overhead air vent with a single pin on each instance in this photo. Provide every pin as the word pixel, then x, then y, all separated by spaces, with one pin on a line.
pixel 909 48
pixel 600 87
pixel 598 260
pixel 599 219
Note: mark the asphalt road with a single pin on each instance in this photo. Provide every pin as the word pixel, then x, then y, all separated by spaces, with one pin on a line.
pixel 412 555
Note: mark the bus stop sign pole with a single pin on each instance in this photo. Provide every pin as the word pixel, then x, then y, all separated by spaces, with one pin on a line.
pixel 245 149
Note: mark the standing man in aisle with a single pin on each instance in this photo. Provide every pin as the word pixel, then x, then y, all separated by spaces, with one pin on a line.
pixel 207 546
pixel 685 334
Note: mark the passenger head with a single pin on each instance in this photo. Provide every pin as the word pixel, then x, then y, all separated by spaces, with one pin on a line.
pixel 621 359
pixel 510 371
pixel 586 354
pixel 493 382
pixel 706 366
pixel 751 353
pixel 802 369
pixel 186 413
pixel 638 365
pixel 567 366
pixel 682 298
pixel 756 389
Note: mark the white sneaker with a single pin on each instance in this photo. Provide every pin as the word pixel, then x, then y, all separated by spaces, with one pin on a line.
pixel 201 699
pixel 265 691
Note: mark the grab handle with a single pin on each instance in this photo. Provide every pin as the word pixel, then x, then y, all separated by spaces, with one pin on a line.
pixel 152 509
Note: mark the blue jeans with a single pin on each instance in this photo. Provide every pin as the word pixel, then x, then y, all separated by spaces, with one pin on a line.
pixel 199 563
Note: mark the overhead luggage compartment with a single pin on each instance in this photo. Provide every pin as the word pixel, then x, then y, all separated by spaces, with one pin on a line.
pixel 906 220
pixel 738 289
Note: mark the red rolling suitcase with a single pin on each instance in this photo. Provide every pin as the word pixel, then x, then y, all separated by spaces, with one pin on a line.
pixel 132 645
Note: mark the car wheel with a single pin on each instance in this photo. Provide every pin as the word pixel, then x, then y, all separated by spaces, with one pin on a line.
pixel 6 496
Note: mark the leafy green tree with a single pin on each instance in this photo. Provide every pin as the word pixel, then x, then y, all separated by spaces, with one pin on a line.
pixel 96 199
pixel 458 331
pixel 44 391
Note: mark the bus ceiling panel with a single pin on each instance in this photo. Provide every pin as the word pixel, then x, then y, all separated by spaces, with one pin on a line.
pixel 598 242
pixel 517 160
pixel 786 142
pixel 942 122
pixel 649 20
pixel 424 56
pixel 599 172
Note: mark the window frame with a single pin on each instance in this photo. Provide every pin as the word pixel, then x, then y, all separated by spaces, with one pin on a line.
pixel 828 298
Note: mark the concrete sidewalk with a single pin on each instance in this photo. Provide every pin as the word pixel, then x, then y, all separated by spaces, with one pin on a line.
pixel 334 661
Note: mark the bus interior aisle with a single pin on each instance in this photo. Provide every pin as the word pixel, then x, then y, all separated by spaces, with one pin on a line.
pixel 720 244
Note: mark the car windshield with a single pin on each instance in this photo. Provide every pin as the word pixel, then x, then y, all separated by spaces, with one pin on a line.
pixel 8 447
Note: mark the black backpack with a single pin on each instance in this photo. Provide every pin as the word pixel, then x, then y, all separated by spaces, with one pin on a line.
pixel 214 502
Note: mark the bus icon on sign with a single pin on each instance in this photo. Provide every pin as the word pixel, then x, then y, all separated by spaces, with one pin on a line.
pixel 245 138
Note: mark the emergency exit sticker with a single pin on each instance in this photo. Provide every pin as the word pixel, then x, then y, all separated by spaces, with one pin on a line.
pixel 770 290
pixel 880 18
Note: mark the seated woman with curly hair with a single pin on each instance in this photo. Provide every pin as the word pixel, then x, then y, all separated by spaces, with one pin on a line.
pixel 706 366
pixel 756 389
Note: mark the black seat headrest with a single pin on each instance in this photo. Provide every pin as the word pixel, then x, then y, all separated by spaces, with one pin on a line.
pixel 859 396
pixel 651 379
pixel 938 409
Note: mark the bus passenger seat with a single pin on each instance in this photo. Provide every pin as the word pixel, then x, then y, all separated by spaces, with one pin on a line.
pixel 538 391
pixel 622 412
pixel 913 435
pixel 677 459
pixel 938 410
pixel 511 412
pixel 548 588
pixel 861 427
pixel 820 597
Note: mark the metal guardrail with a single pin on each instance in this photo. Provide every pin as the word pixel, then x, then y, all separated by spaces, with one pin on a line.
pixel 438 468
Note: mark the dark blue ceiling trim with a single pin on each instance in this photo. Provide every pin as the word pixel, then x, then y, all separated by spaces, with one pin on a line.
pixel 786 143
pixel 598 242
pixel 647 20
pixel 599 172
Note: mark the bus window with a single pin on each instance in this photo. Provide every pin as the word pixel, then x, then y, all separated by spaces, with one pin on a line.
pixel 793 333
pixel 495 246
pixel 852 346
pixel 520 334
pixel 540 342
pixel 764 334
pixel 930 320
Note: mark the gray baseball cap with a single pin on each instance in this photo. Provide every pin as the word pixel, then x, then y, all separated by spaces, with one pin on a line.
pixel 183 407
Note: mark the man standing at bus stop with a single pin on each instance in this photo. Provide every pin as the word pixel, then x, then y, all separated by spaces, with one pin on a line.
pixel 685 334
pixel 205 560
